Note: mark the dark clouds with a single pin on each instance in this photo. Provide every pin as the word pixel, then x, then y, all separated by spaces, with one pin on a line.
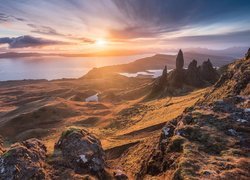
pixel 170 14
pixel 149 18
pixel 27 41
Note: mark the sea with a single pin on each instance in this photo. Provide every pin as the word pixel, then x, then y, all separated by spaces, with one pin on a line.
pixel 51 68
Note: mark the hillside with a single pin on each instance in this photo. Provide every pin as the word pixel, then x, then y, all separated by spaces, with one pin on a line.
pixel 200 133
pixel 210 140
pixel 158 61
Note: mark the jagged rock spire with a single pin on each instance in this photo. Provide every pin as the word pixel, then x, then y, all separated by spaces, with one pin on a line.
pixel 164 77
pixel 208 73
pixel 179 60
pixel 165 71
pixel 192 65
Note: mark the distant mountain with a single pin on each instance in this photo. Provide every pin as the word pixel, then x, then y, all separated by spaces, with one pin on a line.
pixel 235 52
pixel 19 55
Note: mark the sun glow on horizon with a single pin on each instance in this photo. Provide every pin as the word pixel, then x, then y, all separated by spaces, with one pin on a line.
pixel 101 42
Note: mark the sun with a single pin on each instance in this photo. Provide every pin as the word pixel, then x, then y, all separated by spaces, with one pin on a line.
pixel 100 42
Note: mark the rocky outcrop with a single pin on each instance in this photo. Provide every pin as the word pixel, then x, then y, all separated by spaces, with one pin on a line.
pixel 193 77
pixel 164 77
pixel 162 82
pixel 234 81
pixel 208 73
pixel 82 152
pixel 77 155
pixel 211 139
pixel 181 80
pixel 177 77
pixel 247 56
pixel 24 160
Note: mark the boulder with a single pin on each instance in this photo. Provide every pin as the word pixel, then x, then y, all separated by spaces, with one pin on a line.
pixel 82 152
pixel 24 161
pixel 120 175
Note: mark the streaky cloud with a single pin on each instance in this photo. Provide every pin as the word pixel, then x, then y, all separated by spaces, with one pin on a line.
pixel 46 30
pixel 43 30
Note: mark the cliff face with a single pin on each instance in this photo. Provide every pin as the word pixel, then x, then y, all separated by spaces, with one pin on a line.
pixel 210 140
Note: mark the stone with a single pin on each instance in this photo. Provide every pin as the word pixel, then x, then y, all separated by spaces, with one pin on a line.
pixel 25 160
pixel 120 175
pixel 82 152
pixel 232 132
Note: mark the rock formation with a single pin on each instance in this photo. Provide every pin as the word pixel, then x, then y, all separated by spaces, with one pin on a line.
pixel 164 76
pixel 82 152
pixel 192 75
pixel 208 73
pixel 211 139
pixel 181 79
pixel 161 83
pixel 177 76
pixel 24 160
pixel 179 60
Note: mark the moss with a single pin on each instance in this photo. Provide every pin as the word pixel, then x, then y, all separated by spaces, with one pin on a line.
pixel 233 152
pixel 6 154
pixel 68 131
pixel 187 169
pixel 197 114
pixel 213 149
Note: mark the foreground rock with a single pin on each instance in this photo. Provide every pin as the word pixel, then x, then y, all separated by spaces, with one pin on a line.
pixel 211 140
pixel 82 152
pixel 23 161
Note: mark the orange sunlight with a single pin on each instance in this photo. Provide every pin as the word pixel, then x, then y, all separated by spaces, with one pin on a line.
pixel 101 42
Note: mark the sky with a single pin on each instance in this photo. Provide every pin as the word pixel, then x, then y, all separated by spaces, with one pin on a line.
pixel 122 26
